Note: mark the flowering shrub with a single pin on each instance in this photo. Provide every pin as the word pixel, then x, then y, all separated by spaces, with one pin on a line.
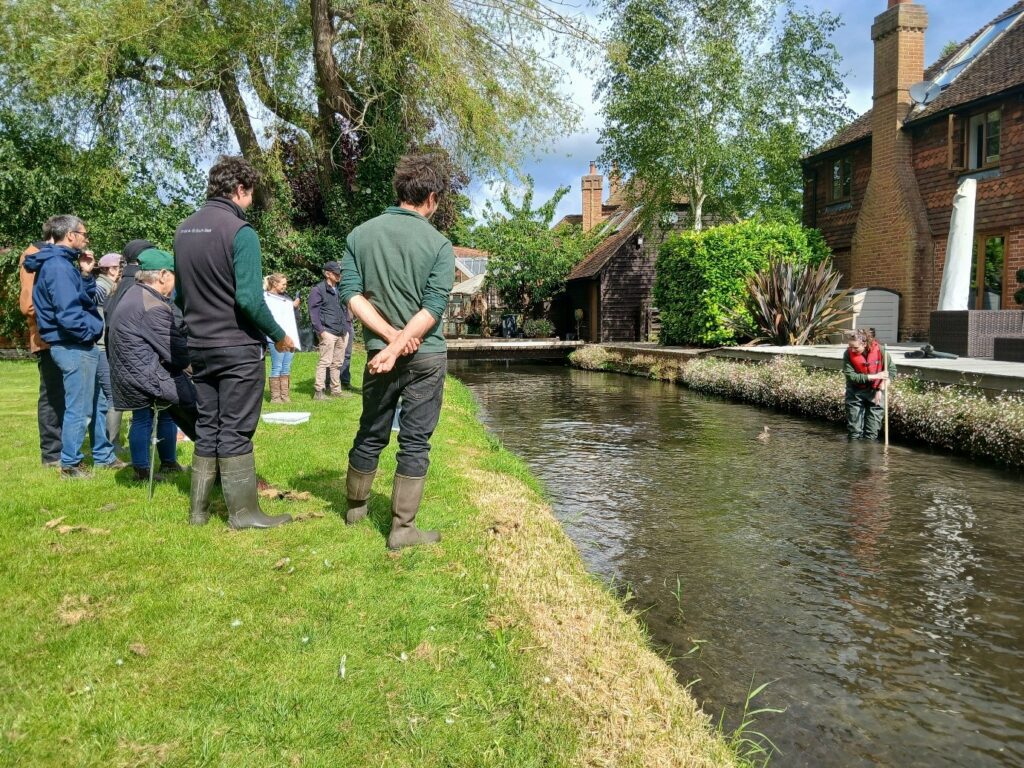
pixel 957 418
pixel 593 357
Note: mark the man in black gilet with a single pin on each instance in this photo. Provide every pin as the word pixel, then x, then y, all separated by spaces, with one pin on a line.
pixel 220 291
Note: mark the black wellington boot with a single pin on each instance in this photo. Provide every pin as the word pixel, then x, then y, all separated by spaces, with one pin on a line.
pixel 204 474
pixel 357 490
pixel 405 503
pixel 238 481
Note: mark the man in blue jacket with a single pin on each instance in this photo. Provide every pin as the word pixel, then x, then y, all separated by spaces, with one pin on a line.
pixel 64 297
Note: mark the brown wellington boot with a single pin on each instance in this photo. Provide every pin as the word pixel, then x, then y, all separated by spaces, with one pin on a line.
pixel 238 481
pixel 275 389
pixel 405 503
pixel 285 384
pixel 357 490
pixel 204 474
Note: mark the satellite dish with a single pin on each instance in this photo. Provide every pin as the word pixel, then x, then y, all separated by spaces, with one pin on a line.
pixel 924 93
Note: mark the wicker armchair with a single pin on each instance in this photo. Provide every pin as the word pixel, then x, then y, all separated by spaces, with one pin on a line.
pixel 1009 349
pixel 972 332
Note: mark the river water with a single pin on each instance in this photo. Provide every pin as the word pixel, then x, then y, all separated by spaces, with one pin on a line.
pixel 882 595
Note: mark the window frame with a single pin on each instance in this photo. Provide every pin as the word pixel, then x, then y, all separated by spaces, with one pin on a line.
pixel 959 140
pixel 844 162
pixel 980 242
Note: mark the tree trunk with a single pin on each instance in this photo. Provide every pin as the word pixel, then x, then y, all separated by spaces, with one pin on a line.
pixel 245 134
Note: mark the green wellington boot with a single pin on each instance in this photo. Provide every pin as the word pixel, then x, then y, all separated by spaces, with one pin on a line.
pixel 357 490
pixel 204 475
pixel 405 503
pixel 238 481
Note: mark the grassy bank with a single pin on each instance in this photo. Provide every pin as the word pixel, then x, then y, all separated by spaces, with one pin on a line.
pixel 132 639
pixel 958 419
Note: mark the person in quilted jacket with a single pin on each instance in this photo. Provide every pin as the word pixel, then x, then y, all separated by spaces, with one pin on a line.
pixel 148 364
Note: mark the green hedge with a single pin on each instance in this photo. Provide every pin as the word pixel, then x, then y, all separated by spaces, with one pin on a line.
pixel 700 282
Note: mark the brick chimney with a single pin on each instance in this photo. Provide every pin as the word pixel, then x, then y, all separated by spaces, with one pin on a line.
pixel 593 196
pixel 892 243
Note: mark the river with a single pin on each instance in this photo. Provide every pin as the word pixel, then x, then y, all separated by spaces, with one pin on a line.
pixel 880 594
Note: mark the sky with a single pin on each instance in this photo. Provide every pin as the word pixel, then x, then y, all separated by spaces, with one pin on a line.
pixel 568 159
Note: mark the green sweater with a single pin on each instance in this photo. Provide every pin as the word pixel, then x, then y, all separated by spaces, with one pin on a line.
pixel 400 264
pixel 248 262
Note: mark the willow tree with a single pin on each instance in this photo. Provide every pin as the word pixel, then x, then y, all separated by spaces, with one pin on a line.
pixel 321 93
pixel 717 100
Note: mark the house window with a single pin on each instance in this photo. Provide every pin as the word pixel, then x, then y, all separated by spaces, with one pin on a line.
pixel 974 141
pixel 842 180
pixel 983 139
pixel 981 43
pixel 988 272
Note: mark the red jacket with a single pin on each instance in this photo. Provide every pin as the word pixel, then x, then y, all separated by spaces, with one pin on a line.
pixel 866 363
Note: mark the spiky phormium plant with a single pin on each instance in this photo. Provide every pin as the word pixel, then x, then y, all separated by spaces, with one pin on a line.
pixel 796 303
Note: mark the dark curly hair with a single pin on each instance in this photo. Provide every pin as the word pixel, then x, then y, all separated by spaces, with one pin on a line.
pixel 416 176
pixel 227 173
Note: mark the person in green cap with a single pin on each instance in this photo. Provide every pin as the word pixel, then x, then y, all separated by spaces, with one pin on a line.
pixel 219 270
pixel 148 358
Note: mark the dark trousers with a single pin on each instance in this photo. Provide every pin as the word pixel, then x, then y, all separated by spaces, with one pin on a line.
pixel 419 382
pixel 50 410
pixel 863 417
pixel 346 367
pixel 229 396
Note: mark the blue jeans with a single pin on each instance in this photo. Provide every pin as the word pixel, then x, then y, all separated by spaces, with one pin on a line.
pixel 280 362
pixel 83 400
pixel 140 432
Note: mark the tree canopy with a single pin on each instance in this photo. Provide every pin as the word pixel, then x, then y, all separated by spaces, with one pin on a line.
pixel 529 259
pixel 716 101
pixel 321 93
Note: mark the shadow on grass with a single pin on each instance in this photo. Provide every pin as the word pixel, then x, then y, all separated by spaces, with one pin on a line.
pixel 330 486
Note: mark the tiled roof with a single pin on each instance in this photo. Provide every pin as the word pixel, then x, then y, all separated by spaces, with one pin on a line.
pixel 569 219
pixel 999 68
pixel 624 224
pixel 470 253
pixel 855 131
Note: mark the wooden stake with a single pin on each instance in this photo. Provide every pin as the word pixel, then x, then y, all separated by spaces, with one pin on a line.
pixel 885 394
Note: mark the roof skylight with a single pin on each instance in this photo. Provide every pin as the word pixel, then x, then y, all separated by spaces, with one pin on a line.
pixel 962 60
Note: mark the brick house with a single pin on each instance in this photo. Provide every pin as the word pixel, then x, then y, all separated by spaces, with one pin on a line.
pixel 613 284
pixel 882 189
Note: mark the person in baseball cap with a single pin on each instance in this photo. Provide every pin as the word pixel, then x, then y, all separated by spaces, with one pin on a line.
pixel 108 277
pixel 154 260
pixel 148 359
pixel 333 328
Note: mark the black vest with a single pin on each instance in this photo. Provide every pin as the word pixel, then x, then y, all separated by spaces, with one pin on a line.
pixel 332 317
pixel 204 271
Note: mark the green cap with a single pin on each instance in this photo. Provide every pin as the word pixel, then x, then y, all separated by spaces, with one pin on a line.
pixel 155 259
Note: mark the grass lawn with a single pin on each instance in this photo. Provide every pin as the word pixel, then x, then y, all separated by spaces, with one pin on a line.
pixel 139 640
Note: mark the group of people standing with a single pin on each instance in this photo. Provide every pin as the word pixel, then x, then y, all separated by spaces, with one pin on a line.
pixel 186 336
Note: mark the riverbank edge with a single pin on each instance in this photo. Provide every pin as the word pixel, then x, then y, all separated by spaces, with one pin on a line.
pixel 626 704
pixel 949 417
pixel 582 673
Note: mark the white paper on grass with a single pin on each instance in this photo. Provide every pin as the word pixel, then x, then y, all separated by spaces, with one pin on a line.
pixel 283 310
pixel 955 292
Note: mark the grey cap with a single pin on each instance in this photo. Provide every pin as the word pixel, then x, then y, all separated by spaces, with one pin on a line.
pixel 332 266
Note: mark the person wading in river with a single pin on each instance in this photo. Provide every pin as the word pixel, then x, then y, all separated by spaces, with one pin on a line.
pixel 398 271
pixel 867 375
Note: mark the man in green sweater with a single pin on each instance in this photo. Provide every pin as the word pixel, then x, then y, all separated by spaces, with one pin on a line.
pixel 219 274
pixel 397 273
